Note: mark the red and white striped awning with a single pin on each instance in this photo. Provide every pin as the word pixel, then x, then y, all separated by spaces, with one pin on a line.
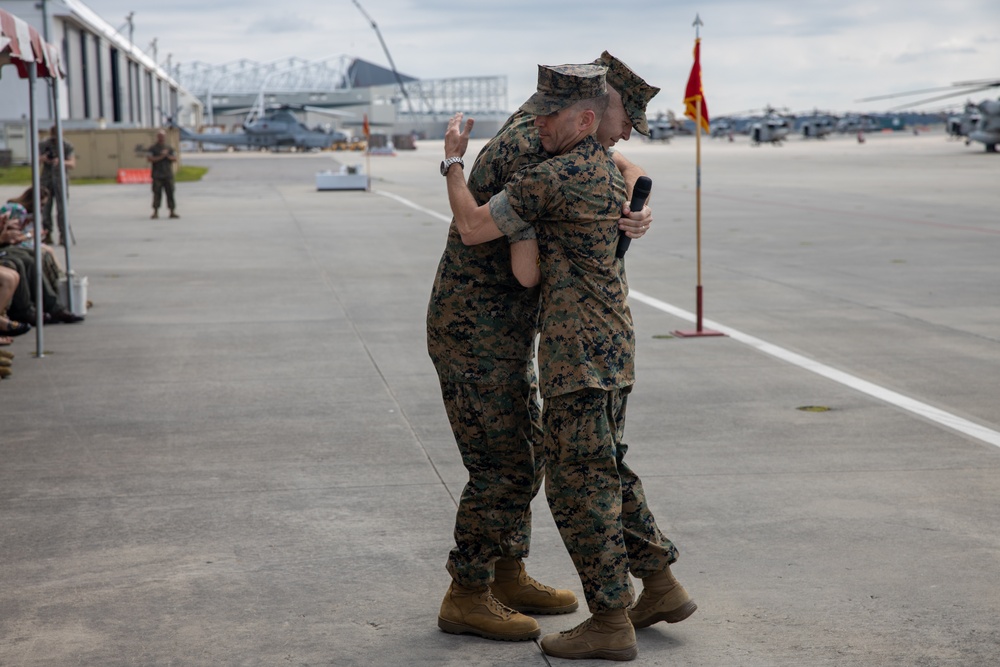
pixel 21 45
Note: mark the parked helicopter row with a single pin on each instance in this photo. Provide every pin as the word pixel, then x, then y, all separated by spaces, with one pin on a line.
pixel 278 127
pixel 978 122
pixel 773 126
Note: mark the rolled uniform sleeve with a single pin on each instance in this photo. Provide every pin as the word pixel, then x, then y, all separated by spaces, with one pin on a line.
pixel 508 221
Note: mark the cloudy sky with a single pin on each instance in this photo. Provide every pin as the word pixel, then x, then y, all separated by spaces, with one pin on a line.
pixel 801 54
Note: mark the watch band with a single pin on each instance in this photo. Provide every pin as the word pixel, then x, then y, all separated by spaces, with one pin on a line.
pixel 447 162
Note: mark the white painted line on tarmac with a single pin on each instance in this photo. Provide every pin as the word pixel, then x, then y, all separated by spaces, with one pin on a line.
pixel 924 410
pixel 407 202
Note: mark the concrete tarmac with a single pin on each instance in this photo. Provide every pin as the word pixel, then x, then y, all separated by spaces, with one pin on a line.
pixel 242 458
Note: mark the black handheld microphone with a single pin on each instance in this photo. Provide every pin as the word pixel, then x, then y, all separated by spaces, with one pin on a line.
pixel 640 191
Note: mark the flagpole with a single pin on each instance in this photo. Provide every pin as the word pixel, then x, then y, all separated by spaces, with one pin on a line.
pixel 700 330
pixel 368 168
pixel 697 208
pixel 368 153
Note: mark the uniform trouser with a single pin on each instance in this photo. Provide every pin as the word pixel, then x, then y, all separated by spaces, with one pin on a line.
pixel 596 500
pixel 163 185
pixel 497 429
pixel 23 260
pixel 53 200
pixel 20 302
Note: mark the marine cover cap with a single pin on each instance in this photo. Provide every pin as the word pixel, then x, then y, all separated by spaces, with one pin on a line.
pixel 635 92
pixel 559 86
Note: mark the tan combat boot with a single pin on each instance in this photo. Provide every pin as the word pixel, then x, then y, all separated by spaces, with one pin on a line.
pixel 515 589
pixel 608 636
pixel 477 612
pixel 662 599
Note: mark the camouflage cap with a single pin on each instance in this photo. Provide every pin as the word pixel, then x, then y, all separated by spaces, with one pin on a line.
pixel 562 85
pixel 635 92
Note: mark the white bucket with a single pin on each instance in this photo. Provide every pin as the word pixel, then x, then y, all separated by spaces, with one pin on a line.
pixel 79 294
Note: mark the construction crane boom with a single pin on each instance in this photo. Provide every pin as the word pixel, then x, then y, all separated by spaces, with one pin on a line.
pixel 385 48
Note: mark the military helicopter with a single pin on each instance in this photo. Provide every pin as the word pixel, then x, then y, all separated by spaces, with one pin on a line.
pixel 772 128
pixel 857 123
pixel 817 126
pixel 979 122
pixel 663 127
pixel 274 128
pixel 722 127
pixel 959 126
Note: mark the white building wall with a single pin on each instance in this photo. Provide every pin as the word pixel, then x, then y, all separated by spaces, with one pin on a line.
pixel 115 84
pixel 73 64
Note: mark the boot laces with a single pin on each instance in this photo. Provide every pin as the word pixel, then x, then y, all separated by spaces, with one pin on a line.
pixel 572 633
pixel 497 607
pixel 528 580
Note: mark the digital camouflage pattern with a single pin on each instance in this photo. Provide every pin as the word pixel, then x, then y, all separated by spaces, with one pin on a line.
pixel 493 425
pixel 596 500
pixel 635 92
pixel 480 320
pixel 50 179
pixel 162 169
pixel 559 86
pixel 50 175
pixel 586 357
pixel 163 176
pixel 574 201
pixel 480 337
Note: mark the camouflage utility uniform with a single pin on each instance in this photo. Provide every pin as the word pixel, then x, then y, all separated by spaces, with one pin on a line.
pixel 586 358
pixel 162 172
pixel 480 335
pixel 50 179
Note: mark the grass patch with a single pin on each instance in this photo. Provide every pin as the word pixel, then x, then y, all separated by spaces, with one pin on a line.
pixel 15 175
pixel 21 175
pixel 189 174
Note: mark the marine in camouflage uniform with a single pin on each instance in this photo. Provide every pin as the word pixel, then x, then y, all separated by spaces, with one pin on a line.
pixel 51 179
pixel 480 335
pixel 162 157
pixel 586 357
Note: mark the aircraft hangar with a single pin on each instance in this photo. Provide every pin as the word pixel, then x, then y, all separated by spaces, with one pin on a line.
pixel 349 89
pixel 110 82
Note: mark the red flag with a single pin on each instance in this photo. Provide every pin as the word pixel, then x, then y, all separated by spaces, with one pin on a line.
pixel 365 127
pixel 694 91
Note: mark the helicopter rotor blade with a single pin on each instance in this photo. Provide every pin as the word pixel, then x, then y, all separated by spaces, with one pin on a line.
pixel 940 97
pixel 978 85
pixel 989 83
pixel 890 96
pixel 328 112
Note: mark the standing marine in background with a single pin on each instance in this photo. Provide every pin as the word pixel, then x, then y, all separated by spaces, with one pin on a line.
pixel 162 157
pixel 48 152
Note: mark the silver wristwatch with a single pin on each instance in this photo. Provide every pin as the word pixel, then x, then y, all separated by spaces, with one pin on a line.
pixel 447 162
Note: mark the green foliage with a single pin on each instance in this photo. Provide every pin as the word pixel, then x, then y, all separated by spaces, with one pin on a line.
pixel 15 175
pixel 21 175
pixel 188 174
